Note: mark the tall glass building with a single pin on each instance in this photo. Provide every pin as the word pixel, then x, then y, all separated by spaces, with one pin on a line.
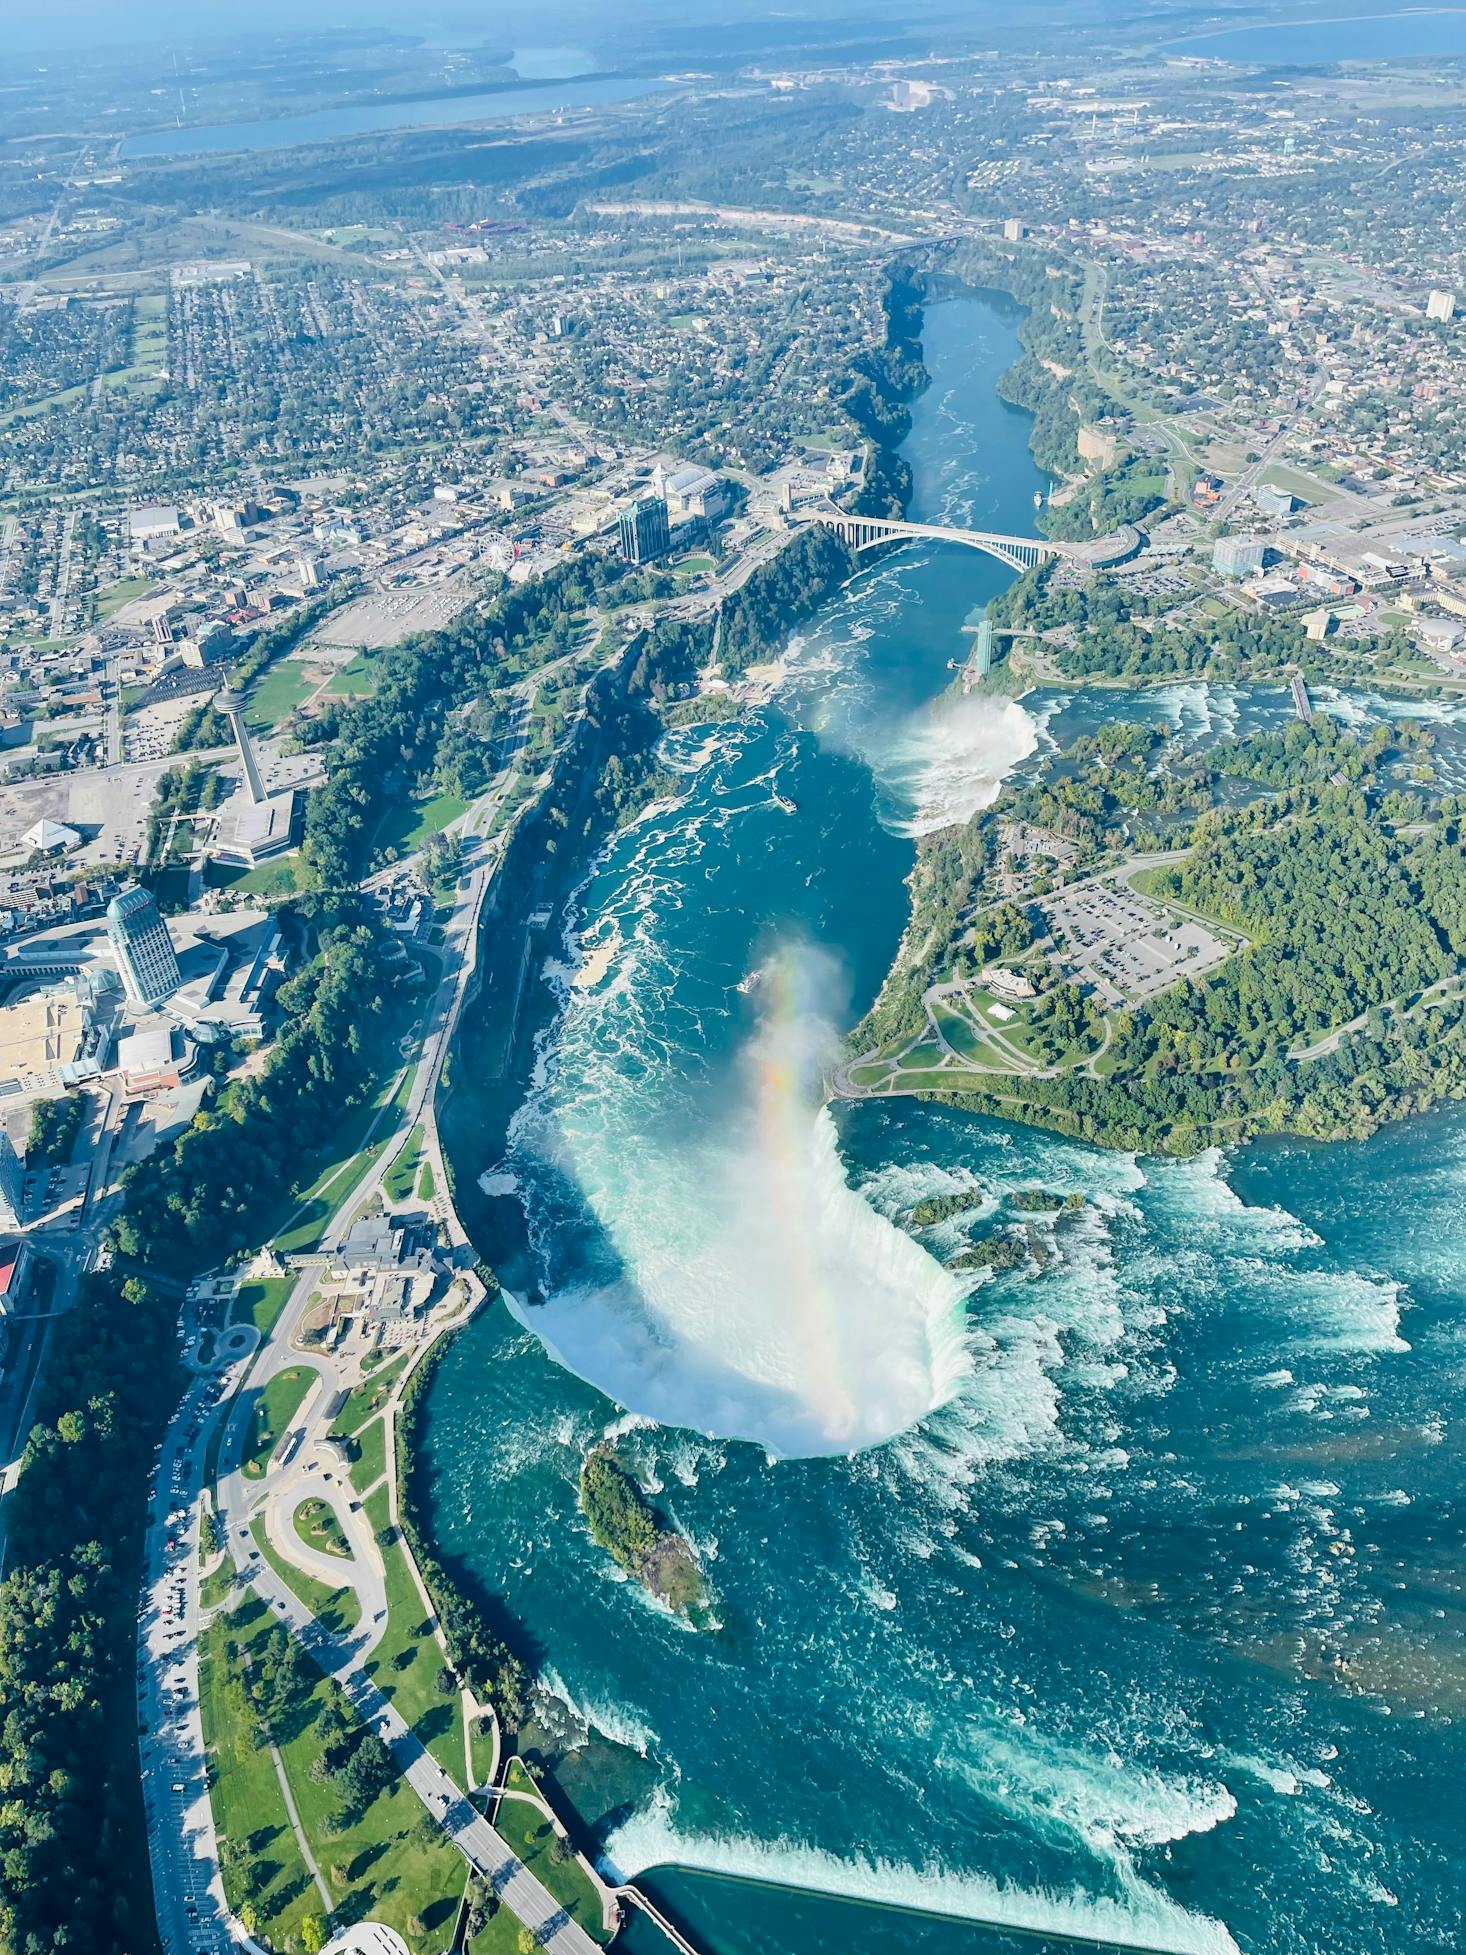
pixel 145 953
pixel 645 532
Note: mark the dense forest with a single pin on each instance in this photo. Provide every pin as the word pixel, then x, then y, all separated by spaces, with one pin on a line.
pixel 73 1859
pixel 780 596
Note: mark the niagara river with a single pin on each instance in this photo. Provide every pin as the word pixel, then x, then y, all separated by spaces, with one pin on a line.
pixel 1115 1599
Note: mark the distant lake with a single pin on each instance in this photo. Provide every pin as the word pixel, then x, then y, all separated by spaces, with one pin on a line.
pixel 550 64
pixel 362 118
pixel 1307 43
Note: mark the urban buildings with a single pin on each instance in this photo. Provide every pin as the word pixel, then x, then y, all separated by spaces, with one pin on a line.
pixel 1237 556
pixel 11 1179
pixel 645 531
pixel 145 953
pixel 1440 305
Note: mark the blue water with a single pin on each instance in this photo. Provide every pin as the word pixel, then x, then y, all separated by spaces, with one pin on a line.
pixel 365 118
pixel 1135 1611
pixel 1407 36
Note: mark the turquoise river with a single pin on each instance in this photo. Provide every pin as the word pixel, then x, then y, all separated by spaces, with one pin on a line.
pixel 1118 1600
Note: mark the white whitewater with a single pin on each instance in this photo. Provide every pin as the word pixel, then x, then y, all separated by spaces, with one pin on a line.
pixel 951 760
pixel 761 1297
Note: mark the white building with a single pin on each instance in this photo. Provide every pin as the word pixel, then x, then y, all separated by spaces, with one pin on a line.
pixel 1440 305
pixel 50 837
pixel 153 522
pixel 368 1938
pixel 691 494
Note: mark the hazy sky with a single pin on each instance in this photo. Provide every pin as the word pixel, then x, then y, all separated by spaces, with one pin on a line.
pixel 35 24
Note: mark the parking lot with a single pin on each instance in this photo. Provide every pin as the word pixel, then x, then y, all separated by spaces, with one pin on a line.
pixel 1124 946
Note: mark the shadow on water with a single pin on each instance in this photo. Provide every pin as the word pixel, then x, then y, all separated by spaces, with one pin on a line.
pixel 722 1914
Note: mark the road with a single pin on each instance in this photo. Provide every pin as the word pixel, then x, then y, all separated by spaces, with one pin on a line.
pixel 188 1893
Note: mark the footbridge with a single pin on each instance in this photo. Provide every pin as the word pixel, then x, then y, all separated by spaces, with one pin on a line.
pixel 1018 552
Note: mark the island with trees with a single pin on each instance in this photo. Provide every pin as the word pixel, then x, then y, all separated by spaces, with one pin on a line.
pixel 626 1524
pixel 1317 873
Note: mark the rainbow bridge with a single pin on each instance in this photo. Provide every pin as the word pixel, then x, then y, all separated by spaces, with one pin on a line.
pixel 1018 552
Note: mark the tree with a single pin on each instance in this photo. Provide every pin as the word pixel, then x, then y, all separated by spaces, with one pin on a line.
pixel 525 1943
pixel 313 1933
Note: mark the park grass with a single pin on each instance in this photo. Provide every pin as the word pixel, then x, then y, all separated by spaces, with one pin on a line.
pixel 481 1751
pixel 337 1609
pixel 116 595
pixel 378 1510
pixel 426 1183
pixel 405 1665
pixel 279 878
pixel 277 692
pixel 275 1407
pixel 408 824
pixel 964 1037
pixel 530 1833
pixel 354 680
pixel 317 1525
pixel 369 1468
pixel 217 1586
pixel 365 1400
pixel 400 1176
pixel 376 1867
pixel 249 1807
pixel 260 1303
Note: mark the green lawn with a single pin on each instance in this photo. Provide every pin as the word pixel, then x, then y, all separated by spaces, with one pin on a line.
pixel 426 1183
pixel 400 1176
pixel 278 691
pixel 372 1439
pixel 962 1034
pixel 481 1747
pixel 249 1807
pixel 875 1074
pixel 278 878
pixel 116 595
pixel 529 1832
pixel 275 1407
pixel 408 825
pixel 318 1527
pixel 405 1666
pixel 353 681
pixel 925 1052
pixel 260 1303
pixel 336 1608
pixel 380 1864
pixel 367 1399
pixel 217 1587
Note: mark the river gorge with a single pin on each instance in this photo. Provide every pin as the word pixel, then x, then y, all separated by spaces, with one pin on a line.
pixel 1115 1597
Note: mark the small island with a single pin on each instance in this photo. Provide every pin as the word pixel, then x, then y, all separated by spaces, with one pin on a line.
pixel 624 1522
pixel 995 1252
pixel 932 1209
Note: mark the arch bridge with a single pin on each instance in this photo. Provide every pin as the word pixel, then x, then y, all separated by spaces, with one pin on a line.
pixel 1018 552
